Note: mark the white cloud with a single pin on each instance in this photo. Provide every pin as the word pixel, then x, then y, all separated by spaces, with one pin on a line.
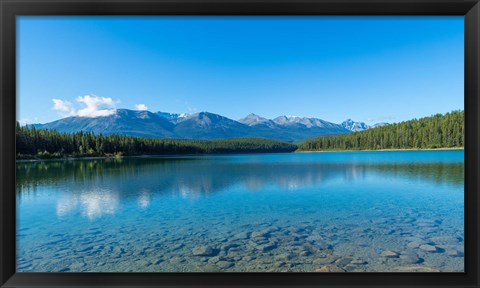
pixel 141 107
pixel 64 108
pixel 94 106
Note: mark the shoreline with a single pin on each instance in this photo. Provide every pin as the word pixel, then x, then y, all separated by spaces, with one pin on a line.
pixel 382 150
pixel 65 159
pixel 304 151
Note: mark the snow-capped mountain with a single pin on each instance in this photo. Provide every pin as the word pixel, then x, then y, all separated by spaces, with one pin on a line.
pixel 255 120
pixel 123 121
pixel 379 124
pixel 203 125
pixel 172 117
pixel 305 121
pixel 354 126
pixel 291 128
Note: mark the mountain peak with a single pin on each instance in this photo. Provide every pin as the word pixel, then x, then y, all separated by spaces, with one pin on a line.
pixel 254 119
pixel 379 124
pixel 290 120
pixel 201 125
pixel 354 126
pixel 172 117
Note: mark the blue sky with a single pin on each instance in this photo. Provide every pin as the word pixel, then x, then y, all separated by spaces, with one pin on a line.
pixel 371 69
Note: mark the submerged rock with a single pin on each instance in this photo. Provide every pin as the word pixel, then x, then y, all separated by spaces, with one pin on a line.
pixel 410 258
pixel 256 234
pixel 454 253
pixel 77 266
pixel 330 268
pixel 351 268
pixel 241 236
pixel 266 247
pixel 414 244
pixel 322 245
pixel 207 268
pixel 358 262
pixel 428 248
pixel 389 254
pixel 229 246
pixel 203 251
pixel 224 264
pixel 285 256
pixel 177 246
pixel 215 259
pixel 305 253
pixel 445 239
pixel 343 261
pixel 416 269
pixel 414 239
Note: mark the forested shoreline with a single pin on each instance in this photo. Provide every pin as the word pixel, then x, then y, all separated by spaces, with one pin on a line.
pixel 32 143
pixel 434 132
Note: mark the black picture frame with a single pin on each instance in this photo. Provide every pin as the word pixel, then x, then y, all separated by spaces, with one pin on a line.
pixel 9 9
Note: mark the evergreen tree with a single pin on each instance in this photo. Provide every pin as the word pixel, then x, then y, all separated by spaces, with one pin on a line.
pixel 437 131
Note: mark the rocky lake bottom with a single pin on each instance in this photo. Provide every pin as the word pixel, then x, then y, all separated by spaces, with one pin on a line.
pixel 328 219
pixel 412 246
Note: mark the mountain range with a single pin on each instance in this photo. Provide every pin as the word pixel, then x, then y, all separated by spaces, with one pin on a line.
pixel 203 125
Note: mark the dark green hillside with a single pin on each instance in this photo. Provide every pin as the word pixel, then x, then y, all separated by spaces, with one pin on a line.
pixel 437 131
pixel 38 143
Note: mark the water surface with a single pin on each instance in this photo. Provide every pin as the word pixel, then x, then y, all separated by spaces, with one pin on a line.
pixel 355 211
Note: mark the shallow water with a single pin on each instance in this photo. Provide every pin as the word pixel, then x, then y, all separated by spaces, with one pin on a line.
pixel 352 211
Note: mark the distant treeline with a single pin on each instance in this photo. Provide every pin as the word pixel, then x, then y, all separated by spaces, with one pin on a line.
pixel 437 131
pixel 38 143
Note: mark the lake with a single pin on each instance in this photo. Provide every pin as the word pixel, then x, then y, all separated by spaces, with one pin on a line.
pixel 303 212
